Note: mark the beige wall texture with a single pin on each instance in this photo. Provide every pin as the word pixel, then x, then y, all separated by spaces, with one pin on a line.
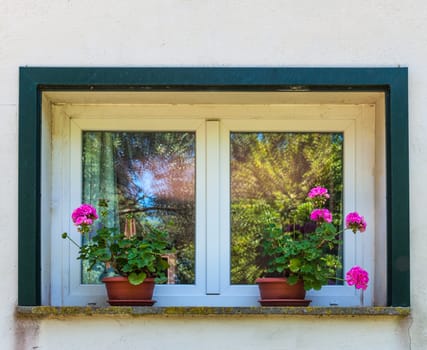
pixel 228 333
pixel 288 33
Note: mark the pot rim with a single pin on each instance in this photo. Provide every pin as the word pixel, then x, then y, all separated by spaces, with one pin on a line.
pixel 124 278
pixel 272 279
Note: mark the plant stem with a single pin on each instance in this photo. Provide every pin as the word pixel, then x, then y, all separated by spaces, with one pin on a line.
pixel 73 241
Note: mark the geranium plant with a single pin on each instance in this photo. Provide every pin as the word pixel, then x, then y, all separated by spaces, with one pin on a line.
pixel 304 248
pixel 128 254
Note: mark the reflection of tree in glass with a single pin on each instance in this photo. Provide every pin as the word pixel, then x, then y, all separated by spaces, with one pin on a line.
pixel 275 171
pixel 150 175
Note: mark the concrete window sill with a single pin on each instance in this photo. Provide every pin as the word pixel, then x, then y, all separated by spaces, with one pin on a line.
pixel 124 311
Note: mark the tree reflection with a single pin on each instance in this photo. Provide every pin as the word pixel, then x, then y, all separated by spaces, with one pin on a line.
pixel 151 176
pixel 271 173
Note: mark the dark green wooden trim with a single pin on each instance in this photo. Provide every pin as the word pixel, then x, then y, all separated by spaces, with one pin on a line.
pixel 398 191
pixel 210 77
pixel 29 193
pixel 393 81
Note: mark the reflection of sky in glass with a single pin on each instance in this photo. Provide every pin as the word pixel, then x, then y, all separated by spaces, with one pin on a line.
pixel 144 180
pixel 160 178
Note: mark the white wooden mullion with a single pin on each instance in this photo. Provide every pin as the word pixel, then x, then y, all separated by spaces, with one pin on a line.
pixel 212 208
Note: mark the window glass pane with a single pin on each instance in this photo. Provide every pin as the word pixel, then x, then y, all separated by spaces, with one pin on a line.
pixel 271 174
pixel 151 176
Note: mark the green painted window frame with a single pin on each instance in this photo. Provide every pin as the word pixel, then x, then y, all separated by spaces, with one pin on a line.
pixel 34 80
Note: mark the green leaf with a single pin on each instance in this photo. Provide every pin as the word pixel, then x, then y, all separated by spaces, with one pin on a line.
pixel 293 280
pixel 317 285
pixel 137 278
pixel 104 254
pixel 295 264
pixel 161 279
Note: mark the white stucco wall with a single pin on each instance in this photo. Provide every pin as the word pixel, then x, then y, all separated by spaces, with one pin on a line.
pixel 223 333
pixel 213 33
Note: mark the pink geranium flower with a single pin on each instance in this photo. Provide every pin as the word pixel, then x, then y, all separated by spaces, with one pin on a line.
pixel 357 277
pixel 321 215
pixel 81 220
pixel 84 215
pixel 355 222
pixel 318 192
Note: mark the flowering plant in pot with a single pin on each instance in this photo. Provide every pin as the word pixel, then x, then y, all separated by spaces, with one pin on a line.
pixel 301 251
pixel 137 261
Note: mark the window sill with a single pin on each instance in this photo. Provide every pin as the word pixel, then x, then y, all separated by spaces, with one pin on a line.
pixel 44 312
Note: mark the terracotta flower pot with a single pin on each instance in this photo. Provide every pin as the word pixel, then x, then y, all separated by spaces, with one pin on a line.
pixel 275 291
pixel 121 292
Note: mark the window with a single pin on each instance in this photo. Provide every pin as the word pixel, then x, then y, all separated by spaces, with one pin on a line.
pixel 147 175
pixel 129 156
pixel 213 124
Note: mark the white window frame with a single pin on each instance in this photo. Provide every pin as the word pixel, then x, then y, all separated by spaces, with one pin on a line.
pixel 358 163
pixel 212 124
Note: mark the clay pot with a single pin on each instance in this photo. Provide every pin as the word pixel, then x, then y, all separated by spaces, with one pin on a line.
pixel 275 291
pixel 121 292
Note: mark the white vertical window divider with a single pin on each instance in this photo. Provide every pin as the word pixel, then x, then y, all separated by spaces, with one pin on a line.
pixel 212 208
